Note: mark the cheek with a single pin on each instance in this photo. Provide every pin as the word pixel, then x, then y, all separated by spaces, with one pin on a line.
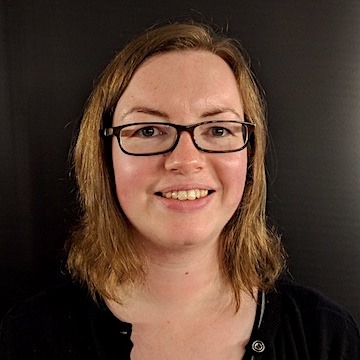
pixel 234 177
pixel 126 174
pixel 126 171
pixel 132 177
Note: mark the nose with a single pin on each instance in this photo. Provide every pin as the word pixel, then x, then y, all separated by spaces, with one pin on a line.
pixel 185 158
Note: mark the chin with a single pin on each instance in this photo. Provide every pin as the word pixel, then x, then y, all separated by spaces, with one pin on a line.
pixel 178 239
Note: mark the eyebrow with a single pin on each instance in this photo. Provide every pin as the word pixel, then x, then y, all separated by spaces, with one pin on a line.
pixel 219 110
pixel 145 110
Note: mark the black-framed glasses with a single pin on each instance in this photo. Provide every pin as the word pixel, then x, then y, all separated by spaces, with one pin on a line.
pixel 153 138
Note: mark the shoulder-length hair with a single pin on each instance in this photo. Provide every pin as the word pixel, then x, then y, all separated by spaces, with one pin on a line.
pixel 101 253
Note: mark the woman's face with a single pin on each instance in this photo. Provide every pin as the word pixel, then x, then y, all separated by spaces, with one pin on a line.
pixel 181 88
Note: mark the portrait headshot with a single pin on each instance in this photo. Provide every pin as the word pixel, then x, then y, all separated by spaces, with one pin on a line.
pixel 181 181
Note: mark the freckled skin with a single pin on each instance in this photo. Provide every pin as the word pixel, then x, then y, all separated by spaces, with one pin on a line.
pixel 184 88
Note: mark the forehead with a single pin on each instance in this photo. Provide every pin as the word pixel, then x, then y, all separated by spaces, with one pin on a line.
pixel 182 80
pixel 176 65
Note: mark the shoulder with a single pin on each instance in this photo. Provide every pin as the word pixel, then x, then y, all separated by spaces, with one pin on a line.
pixel 51 320
pixel 321 323
pixel 63 299
pixel 310 303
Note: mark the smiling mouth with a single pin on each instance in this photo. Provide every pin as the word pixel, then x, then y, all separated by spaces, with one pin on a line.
pixel 182 195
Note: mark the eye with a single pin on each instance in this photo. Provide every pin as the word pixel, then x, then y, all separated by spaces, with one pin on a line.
pixel 140 131
pixel 219 131
pixel 148 131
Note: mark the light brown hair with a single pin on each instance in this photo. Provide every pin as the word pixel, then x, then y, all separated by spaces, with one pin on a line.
pixel 101 253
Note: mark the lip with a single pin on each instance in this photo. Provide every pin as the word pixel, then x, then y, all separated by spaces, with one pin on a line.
pixel 185 206
pixel 182 187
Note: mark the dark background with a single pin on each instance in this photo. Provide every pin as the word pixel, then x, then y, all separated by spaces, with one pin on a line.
pixel 306 54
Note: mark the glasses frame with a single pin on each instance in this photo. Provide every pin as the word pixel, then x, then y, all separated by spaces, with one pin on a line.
pixel 115 131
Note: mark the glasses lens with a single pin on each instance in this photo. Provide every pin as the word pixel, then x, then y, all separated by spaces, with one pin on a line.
pixel 147 138
pixel 221 136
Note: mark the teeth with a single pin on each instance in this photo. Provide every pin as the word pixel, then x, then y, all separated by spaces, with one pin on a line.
pixel 192 194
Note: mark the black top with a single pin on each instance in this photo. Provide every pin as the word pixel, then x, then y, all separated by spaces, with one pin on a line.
pixel 64 322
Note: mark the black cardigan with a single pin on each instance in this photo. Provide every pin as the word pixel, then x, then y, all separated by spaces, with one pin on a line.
pixel 64 322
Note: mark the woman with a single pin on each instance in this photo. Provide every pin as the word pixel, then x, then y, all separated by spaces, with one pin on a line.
pixel 173 247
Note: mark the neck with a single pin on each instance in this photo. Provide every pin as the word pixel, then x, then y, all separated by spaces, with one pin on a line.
pixel 183 276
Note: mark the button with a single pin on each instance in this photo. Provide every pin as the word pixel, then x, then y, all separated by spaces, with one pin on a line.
pixel 258 346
